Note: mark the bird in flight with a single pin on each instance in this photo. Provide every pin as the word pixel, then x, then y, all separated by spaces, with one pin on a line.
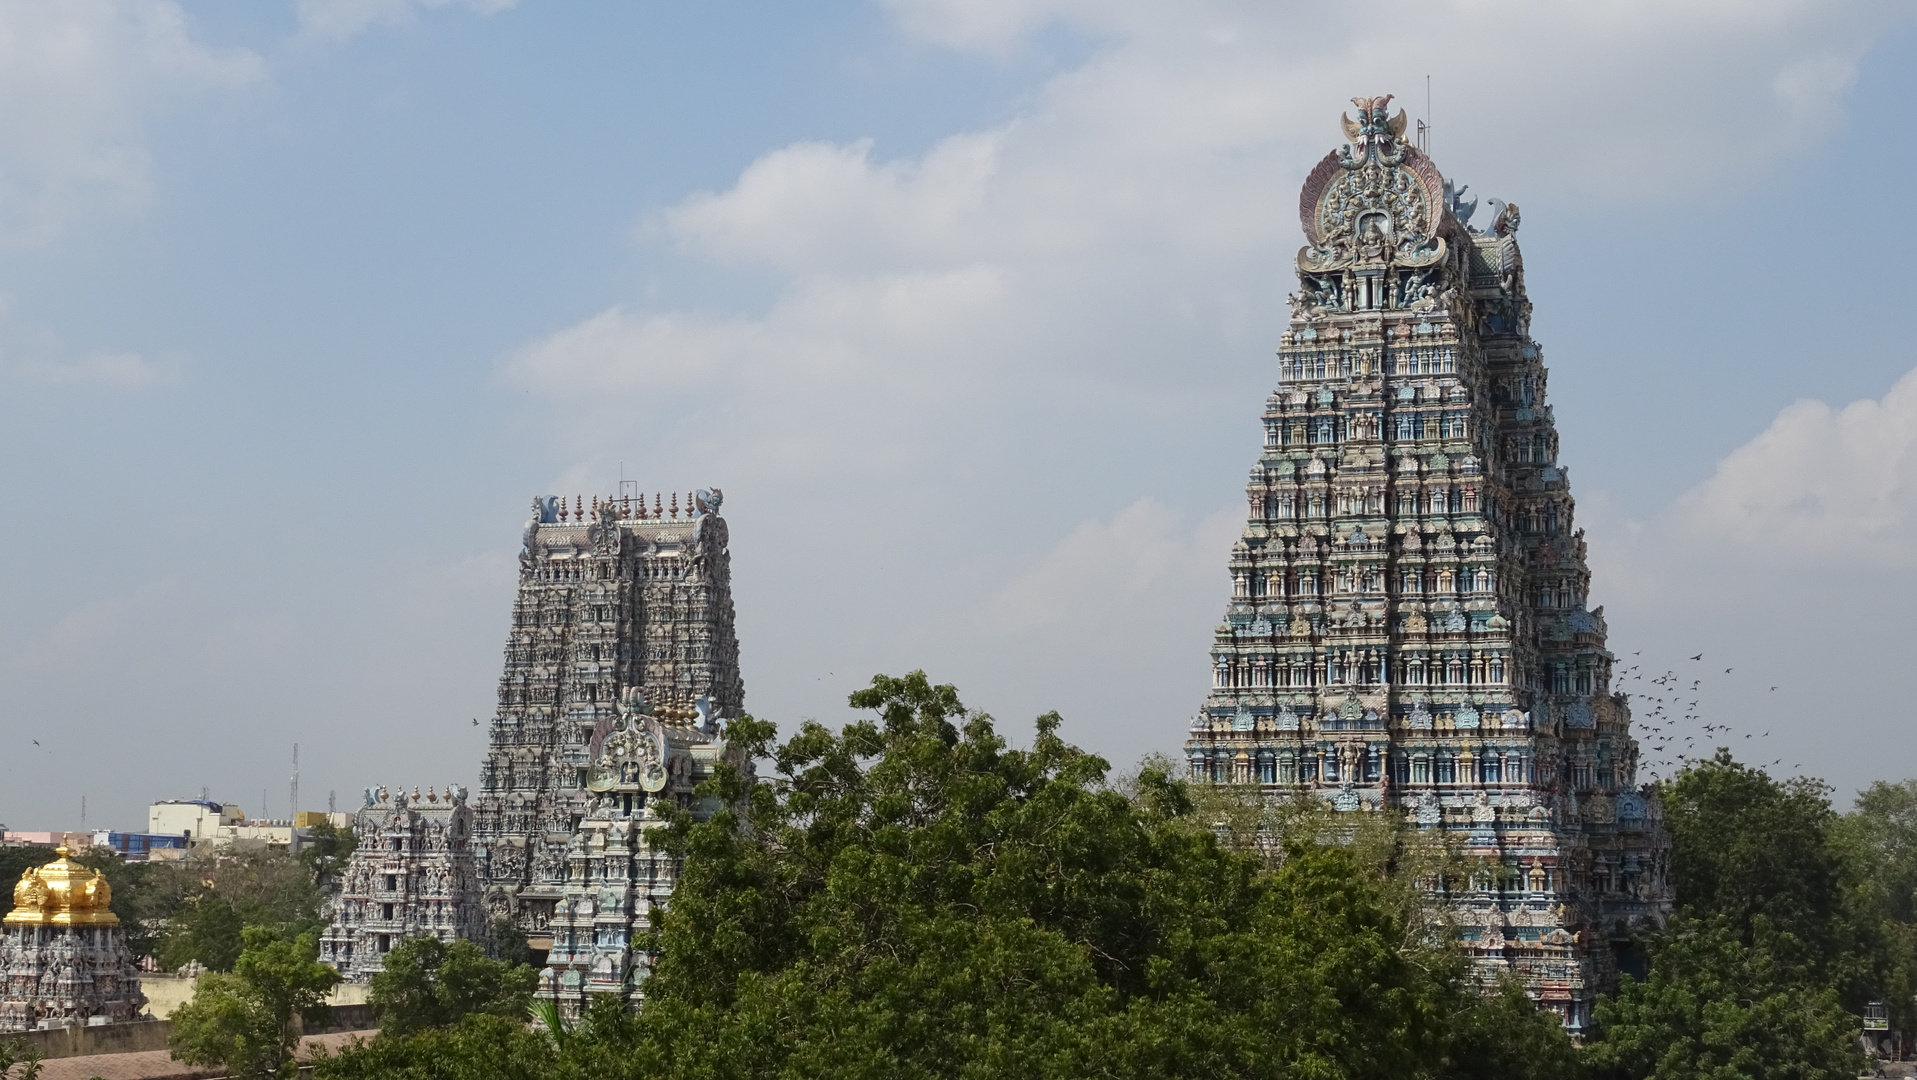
pixel 36 742
pixel 1727 671
pixel 475 721
pixel 1699 656
pixel 1773 689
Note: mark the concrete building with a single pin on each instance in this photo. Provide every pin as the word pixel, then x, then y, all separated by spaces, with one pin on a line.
pixel 204 823
pixel 198 820
pixel 1409 629
pixel 140 847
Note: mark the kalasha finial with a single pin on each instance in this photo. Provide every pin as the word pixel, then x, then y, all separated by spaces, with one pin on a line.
pixel 675 506
pixel 657 512
pixel 564 514
pixel 595 506
pixel 579 507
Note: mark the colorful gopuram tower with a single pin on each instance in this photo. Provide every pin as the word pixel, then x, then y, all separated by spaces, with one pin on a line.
pixel 1409 628
pixel 612 598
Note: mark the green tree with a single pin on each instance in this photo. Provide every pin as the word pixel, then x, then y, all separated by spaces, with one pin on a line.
pixel 202 903
pixel 208 929
pixel 14 1052
pixel 1881 837
pixel 912 898
pixel 909 897
pixel 15 861
pixel 509 942
pixel 1747 847
pixel 428 983
pixel 1715 1007
pixel 244 1021
pixel 327 851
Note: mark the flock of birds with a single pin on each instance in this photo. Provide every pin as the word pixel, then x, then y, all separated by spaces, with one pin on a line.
pixel 1671 730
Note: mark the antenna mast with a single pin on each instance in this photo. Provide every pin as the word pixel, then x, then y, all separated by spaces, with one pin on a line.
pixel 293 796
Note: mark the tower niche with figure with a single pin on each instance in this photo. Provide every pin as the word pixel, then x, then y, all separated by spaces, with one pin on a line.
pixel 1409 629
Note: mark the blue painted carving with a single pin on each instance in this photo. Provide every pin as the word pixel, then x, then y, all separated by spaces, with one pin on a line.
pixel 1468 718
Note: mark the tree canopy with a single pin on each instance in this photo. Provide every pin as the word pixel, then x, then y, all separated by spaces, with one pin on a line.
pixel 244 1021
pixel 911 897
pixel 428 983
pixel 1781 936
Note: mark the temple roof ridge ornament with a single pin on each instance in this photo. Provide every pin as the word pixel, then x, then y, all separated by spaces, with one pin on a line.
pixel 1374 202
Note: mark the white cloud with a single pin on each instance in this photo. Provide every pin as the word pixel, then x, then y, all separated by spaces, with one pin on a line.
pixel 1835 484
pixel 117 370
pixel 77 81
pixel 832 376
pixel 85 631
pixel 1100 568
pixel 1010 330
pixel 812 206
pixel 337 20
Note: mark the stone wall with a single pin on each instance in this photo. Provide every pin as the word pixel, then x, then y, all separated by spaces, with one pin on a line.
pixel 152 1034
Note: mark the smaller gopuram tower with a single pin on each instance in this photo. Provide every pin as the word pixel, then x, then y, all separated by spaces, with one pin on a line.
pixel 63 957
pixel 613 597
pixel 1409 629
pixel 412 874
pixel 615 874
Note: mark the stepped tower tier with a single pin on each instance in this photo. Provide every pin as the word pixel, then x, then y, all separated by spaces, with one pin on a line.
pixel 411 875
pixel 613 597
pixel 1409 627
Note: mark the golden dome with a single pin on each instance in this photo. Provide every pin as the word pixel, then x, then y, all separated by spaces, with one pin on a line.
pixel 62 893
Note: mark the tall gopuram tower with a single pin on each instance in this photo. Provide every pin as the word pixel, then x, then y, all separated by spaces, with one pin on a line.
pixel 612 598
pixel 1409 628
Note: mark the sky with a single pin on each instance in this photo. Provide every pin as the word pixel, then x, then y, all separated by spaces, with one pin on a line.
pixel 969 306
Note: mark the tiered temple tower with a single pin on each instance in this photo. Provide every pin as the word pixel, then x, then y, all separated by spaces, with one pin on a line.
pixel 1408 629
pixel 412 874
pixel 615 875
pixel 612 598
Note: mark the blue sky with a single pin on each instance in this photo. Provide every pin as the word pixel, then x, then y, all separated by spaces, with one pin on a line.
pixel 969 307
